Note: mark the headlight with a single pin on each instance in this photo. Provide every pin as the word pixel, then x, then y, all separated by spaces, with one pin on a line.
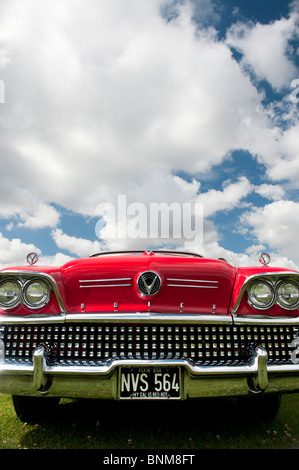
pixel 10 293
pixel 261 295
pixel 36 294
pixel 287 294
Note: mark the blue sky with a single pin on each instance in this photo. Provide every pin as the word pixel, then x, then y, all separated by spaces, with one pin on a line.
pixel 191 101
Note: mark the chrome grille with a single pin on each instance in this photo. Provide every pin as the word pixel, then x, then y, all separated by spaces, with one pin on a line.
pixel 100 342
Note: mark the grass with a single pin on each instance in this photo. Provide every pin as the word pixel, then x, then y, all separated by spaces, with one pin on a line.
pixel 208 424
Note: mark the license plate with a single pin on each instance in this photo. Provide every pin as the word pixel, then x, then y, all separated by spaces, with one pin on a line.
pixel 150 383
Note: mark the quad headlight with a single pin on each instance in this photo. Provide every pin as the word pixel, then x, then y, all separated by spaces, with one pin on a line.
pixel 36 294
pixel 10 293
pixel 261 295
pixel 287 294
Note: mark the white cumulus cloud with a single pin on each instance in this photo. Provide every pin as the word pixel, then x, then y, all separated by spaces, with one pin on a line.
pixel 266 47
pixel 88 113
pixel 111 98
pixel 14 252
pixel 78 246
pixel 276 225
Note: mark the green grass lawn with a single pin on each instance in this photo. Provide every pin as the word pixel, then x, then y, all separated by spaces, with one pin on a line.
pixel 207 424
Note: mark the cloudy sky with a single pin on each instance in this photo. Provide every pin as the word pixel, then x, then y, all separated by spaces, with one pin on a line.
pixel 157 101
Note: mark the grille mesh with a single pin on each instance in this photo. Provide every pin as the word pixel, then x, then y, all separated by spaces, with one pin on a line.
pixel 98 343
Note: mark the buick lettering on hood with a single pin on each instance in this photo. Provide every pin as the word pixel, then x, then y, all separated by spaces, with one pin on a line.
pixel 152 325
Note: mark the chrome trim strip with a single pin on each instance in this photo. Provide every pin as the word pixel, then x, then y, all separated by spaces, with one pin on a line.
pixel 28 275
pixel 198 287
pixel 289 369
pixel 167 252
pixel 36 319
pixel 15 369
pixel 145 317
pixel 107 285
pixel 130 317
pixel 264 320
pixel 191 280
pixel 107 280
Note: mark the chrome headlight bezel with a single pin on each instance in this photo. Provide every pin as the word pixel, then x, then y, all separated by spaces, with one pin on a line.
pixel 282 284
pixel 44 295
pixel 17 298
pixel 252 294
pixel 22 277
pixel 21 286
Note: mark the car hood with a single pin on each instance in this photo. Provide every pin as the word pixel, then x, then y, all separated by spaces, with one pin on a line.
pixel 123 283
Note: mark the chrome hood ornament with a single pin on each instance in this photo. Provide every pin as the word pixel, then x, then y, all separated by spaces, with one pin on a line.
pixel 32 258
pixel 264 259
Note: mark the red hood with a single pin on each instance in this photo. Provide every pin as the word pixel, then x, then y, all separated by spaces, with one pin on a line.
pixel 109 284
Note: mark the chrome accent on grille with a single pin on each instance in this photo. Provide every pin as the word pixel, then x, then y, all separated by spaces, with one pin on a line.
pixel 201 344
pixel 259 383
pixel 265 320
pixel 104 317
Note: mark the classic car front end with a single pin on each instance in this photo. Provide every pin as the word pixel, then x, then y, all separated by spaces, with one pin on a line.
pixel 147 326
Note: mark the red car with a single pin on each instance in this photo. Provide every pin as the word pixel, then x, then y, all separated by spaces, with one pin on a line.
pixel 153 325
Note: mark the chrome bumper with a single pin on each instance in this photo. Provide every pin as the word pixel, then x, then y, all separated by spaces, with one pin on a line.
pixel 101 382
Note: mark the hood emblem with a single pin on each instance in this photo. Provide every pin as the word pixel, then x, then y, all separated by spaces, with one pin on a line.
pixel 264 259
pixel 32 258
pixel 149 283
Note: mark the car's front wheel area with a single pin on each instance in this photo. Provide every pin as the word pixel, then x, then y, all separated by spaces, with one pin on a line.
pixel 263 407
pixel 33 409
